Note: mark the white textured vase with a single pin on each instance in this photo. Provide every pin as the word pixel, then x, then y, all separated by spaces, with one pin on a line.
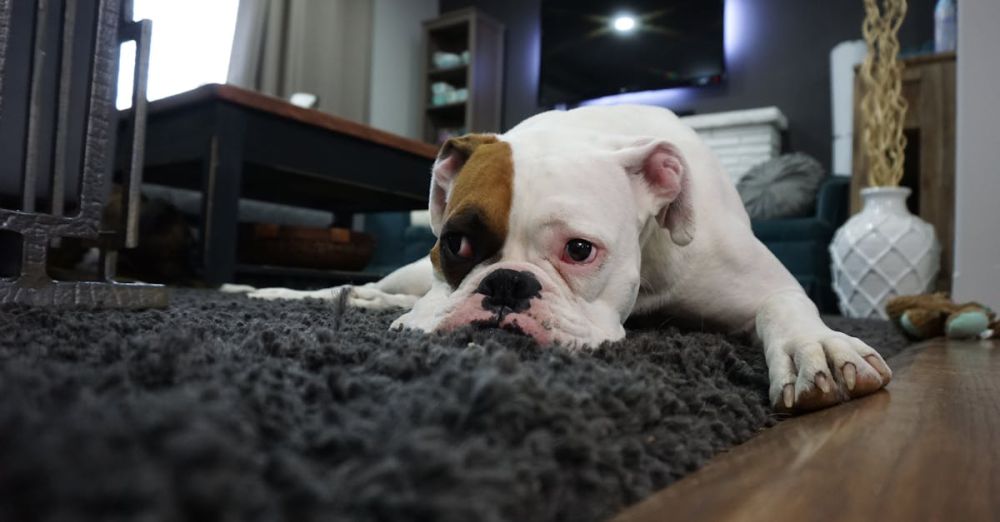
pixel 881 252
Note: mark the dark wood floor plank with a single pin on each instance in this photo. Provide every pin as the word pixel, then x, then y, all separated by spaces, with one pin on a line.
pixel 927 448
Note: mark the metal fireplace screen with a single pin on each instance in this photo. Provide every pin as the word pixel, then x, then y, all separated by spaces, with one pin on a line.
pixel 49 134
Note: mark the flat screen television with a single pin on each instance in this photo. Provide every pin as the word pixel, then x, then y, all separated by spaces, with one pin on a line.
pixel 595 48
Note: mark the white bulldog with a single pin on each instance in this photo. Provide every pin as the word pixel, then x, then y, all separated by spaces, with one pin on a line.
pixel 573 221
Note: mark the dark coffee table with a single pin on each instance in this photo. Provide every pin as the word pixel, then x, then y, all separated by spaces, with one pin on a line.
pixel 230 143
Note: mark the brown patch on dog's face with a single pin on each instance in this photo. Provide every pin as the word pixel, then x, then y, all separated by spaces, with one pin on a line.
pixel 478 209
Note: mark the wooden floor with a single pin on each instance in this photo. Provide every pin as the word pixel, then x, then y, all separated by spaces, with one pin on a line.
pixel 927 448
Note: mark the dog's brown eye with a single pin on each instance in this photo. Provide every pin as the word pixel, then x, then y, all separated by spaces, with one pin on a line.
pixel 458 245
pixel 580 250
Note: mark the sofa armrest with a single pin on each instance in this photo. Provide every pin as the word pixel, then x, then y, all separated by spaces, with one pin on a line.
pixel 419 240
pixel 832 200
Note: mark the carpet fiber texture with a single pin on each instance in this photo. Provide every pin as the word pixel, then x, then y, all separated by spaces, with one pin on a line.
pixel 224 408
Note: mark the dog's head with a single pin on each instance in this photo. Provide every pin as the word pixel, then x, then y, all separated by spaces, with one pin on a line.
pixel 541 234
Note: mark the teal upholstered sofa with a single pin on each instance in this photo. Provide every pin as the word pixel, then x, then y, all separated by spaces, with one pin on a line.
pixel 800 243
pixel 397 242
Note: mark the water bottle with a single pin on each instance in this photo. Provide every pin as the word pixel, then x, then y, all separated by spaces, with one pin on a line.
pixel 945 21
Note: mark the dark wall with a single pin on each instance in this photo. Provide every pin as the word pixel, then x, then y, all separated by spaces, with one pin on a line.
pixel 779 56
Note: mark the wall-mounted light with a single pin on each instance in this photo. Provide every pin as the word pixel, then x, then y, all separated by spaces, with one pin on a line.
pixel 623 23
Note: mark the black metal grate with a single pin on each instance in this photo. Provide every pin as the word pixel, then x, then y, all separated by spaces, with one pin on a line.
pixel 47 135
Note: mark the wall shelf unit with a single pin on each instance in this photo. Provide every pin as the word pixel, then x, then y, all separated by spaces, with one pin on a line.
pixel 463 74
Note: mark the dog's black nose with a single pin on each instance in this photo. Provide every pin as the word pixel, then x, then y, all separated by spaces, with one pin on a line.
pixel 509 290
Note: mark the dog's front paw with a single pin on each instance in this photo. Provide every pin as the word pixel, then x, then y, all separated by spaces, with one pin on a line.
pixel 357 296
pixel 816 371
pixel 327 294
pixel 412 321
pixel 375 299
pixel 230 288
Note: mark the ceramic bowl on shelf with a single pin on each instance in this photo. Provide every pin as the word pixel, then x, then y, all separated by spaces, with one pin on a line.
pixel 444 60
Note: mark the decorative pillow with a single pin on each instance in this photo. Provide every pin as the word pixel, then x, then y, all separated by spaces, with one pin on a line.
pixel 782 187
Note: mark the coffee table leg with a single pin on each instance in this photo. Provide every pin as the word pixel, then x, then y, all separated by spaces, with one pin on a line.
pixel 222 178
pixel 343 219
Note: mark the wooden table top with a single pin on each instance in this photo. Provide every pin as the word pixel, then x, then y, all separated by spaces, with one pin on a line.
pixel 279 107
pixel 927 448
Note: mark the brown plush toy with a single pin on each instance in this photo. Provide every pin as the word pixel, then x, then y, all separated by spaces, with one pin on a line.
pixel 932 315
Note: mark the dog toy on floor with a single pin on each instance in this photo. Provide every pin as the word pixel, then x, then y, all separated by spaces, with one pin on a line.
pixel 933 315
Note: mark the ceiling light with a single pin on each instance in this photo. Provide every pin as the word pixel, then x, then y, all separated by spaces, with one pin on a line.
pixel 623 23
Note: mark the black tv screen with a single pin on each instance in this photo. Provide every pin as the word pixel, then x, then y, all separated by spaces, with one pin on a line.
pixel 594 48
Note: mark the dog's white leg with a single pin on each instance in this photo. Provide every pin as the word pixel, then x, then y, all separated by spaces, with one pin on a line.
pixel 325 294
pixel 810 365
pixel 413 279
pixel 400 289
pixel 232 288
pixel 741 283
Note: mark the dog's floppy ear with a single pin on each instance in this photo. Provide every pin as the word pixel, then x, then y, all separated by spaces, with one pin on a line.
pixel 663 172
pixel 450 160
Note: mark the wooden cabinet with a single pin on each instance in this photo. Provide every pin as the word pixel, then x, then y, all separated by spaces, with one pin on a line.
pixel 463 74
pixel 929 167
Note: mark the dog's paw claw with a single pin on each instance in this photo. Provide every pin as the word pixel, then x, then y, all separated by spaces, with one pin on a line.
pixel 788 395
pixel 880 366
pixel 850 374
pixel 822 382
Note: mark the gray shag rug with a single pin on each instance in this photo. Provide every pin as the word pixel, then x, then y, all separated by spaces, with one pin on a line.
pixel 224 408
